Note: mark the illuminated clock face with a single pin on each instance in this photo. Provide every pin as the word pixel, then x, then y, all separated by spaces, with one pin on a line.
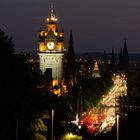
pixel 50 45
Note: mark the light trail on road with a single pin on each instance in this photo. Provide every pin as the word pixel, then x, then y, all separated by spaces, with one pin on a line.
pixel 102 119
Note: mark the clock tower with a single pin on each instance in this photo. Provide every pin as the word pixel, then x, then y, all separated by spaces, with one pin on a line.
pixel 51 48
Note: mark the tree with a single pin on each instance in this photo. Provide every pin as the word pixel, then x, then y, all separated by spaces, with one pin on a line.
pixel 15 85
pixel 38 126
pixel 6 45
pixel 94 88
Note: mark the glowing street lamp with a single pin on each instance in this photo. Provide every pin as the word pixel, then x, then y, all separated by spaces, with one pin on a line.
pixel 52 123
pixel 117 126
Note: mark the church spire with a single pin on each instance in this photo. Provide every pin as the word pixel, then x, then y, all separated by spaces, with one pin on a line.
pixel 71 53
pixel 125 56
pixel 112 61
pixel 70 73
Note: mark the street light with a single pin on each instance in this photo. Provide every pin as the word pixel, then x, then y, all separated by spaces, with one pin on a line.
pixel 52 123
pixel 117 126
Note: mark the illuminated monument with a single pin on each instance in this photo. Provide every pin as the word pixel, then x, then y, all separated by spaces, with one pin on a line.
pixel 96 71
pixel 51 49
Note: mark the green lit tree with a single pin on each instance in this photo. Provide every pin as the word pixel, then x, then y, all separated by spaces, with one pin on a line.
pixel 94 88
pixel 38 127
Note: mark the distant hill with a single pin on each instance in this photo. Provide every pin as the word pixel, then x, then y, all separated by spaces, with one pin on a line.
pixel 99 55
pixel 90 55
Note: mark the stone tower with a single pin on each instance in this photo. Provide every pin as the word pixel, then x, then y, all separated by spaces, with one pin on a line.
pixel 51 49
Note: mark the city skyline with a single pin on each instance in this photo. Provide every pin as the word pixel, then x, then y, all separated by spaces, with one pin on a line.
pixel 96 26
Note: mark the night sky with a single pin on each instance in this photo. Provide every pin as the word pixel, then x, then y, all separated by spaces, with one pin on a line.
pixel 97 25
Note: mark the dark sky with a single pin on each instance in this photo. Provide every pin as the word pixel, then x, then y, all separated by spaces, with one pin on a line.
pixel 97 25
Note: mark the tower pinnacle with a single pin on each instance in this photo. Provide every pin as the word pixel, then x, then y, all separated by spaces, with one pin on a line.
pixel 52 18
pixel 52 7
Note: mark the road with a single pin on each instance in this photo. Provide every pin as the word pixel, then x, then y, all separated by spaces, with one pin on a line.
pixel 102 119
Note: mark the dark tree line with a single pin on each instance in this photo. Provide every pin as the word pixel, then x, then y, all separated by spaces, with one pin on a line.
pixel 16 87
pixel 20 100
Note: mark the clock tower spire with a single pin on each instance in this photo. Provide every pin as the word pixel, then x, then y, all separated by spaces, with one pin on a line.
pixel 51 7
pixel 52 16
pixel 51 48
